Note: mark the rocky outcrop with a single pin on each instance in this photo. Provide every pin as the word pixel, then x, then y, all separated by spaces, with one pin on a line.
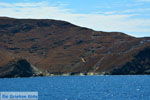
pixel 140 65
pixel 19 68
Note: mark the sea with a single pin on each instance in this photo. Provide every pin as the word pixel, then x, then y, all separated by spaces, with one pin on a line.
pixel 82 87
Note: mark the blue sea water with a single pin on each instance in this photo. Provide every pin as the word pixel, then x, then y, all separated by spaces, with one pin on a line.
pixel 82 87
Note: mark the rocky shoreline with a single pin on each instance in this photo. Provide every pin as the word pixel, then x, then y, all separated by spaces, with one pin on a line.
pixel 22 68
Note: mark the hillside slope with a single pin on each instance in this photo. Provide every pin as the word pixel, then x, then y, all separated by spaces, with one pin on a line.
pixel 59 47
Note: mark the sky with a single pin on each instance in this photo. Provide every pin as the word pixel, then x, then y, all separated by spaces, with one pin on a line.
pixel 129 16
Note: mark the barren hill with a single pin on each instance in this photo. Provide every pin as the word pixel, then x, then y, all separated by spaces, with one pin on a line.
pixel 59 47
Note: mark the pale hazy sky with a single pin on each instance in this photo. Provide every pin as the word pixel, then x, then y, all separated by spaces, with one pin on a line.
pixel 128 16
